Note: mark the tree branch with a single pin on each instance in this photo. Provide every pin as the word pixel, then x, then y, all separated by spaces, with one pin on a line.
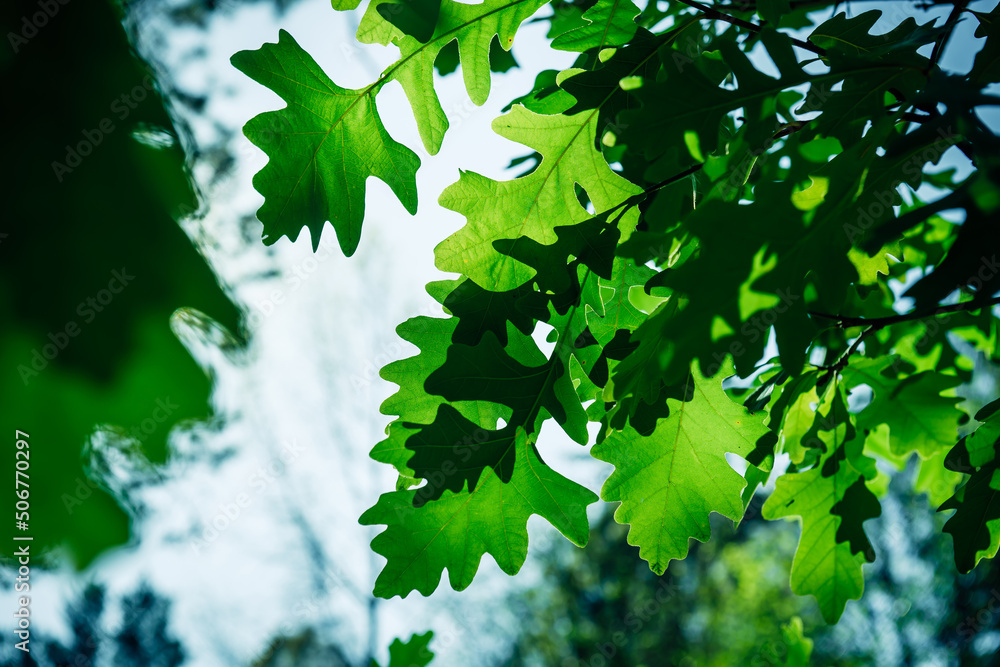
pixel 673 179
pixel 841 361
pixel 877 323
pixel 750 5
pixel 753 27
pixel 845 322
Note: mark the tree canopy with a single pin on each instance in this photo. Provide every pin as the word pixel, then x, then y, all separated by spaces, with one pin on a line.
pixel 772 190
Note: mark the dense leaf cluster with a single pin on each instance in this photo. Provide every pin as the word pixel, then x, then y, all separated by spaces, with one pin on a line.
pixel 715 190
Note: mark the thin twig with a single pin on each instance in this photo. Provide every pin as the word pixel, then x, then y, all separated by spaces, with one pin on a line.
pixel 748 5
pixel 753 27
pixel 673 179
pixel 845 322
pixel 876 324
pixel 841 361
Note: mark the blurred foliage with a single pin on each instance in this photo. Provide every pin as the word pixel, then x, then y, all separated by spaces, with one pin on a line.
pixel 140 637
pixel 307 650
pixel 606 604
pixel 92 265
pixel 729 602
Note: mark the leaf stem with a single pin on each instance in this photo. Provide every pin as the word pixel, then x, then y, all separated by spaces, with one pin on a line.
pixel 956 12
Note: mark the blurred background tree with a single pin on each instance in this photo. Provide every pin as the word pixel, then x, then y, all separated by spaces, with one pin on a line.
pixel 729 602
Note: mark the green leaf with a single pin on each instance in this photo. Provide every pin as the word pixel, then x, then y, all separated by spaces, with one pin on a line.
pixel 590 243
pixel 447 58
pixel 609 23
pixel 453 452
pixel 986 68
pixel 670 482
pixel 772 10
pixel 833 501
pixel 473 26
pixel 416 18
pixel 870 66
pixel 455 531
pixel 934 479
pixel 975 526
pixel 414 405
pixel 794 413
pixel 479 310
pixel 919 418
pixel 617 314
pixel 414 652
pixel 849 39
pixel 702 110
pixel 822 567
pixel 601 88
pixel 769 248
pixel 531 206
pixel 799 646
pixel 487 372
pixel 322 147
